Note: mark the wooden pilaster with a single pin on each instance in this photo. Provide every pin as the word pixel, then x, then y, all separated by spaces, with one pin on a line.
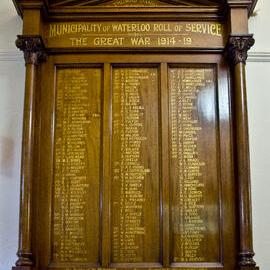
pixel 237 48
pixel 34 54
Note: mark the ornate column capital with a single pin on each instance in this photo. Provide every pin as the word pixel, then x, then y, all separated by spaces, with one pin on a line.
pixel 33 48
pixel 237 48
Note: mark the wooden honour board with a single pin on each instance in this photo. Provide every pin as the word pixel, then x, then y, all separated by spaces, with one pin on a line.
pixel 135 142
pixel 138 163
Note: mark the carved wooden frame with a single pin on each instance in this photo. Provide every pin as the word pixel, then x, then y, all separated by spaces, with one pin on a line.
pixel 235 12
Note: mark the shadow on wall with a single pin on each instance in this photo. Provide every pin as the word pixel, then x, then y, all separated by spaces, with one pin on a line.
pixel 6 156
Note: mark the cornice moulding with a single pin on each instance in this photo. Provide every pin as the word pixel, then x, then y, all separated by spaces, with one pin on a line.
pixel 11 56
pixel 258 57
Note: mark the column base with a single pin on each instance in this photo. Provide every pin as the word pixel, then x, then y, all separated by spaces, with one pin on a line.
pixel 248 268
pixel 22 268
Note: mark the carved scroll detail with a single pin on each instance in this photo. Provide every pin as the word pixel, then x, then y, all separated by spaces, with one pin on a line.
pixel 33 48
pixel 237 48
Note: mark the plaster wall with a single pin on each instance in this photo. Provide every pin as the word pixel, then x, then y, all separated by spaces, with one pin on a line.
pixel 11 107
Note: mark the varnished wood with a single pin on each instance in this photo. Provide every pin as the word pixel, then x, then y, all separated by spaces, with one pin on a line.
pixel 137 226
pixel 33 54
pixel 237 48
pixel 169 2
pixel 83 209
pixel 72 171
pixel 107 137
pixel 243 167
pixel 25 245
pixel 61 60
pixel 202 7
pixel 165 167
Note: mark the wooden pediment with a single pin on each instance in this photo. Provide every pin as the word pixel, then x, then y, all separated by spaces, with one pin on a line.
pixel 128 3
pixel 209 9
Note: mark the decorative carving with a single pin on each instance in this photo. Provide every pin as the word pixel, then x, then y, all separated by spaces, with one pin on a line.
pixel 246 259
pixel 159 2
pixel 33 48
pixel 136 3
pixel 237 48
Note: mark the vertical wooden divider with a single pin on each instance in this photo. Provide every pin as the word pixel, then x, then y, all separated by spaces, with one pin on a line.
pixel 164 99
pixel 106 166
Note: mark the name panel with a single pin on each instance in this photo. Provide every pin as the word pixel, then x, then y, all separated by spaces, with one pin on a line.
pixel 135 34
pixel 194 170
pixel 135 198
pixel 76 188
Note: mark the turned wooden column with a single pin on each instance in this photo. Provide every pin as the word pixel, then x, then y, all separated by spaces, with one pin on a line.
pixel 34 54
pixel 237 48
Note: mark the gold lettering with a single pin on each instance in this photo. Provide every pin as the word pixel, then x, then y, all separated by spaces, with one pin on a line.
pixel 72 180
pixel 78 42
pixel 140 41
pixel 129 170
pixel 213 29
pixel 162 27
pixel 137 34
pixel 103 41
pixel 189 190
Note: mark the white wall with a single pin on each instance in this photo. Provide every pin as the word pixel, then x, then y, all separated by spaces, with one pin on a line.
pixel 11 108
pixel 11 105
pixel 258 74
pixel 259 119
